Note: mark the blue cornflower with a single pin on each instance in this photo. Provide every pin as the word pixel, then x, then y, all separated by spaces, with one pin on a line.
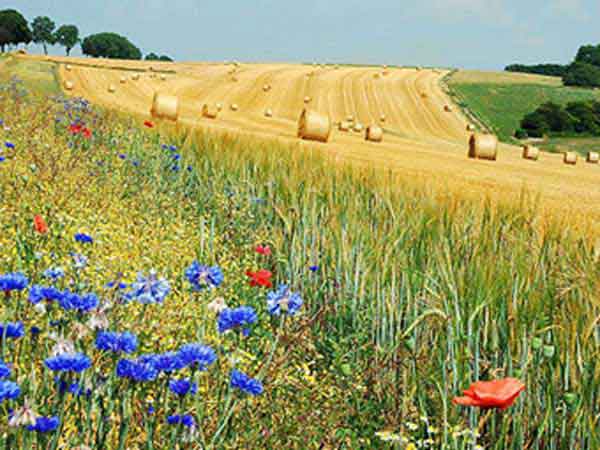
pixel 190 168
pixel 73 388
pixel 9 390
pixel 313 268
pixel 2 159
pixel 136 163
pixel 176 156
pixel 137 370
pixel 283 301
pixel 9 144
pixel 114 284
pixel 186 420
pixel 79 260
pixel 4 370
pixel 54 273
pixel 167 362
pixel 12 330
pixel 39 293
pixel 183 387
pixel 84 238
pixel 239 317
pixel 151 410
pixel 82 303
pixel 35 330
pixel 68 362
pixel 150 289
pixel 201 276
pixel 122 155
pixel 175 168
pixel 44 424
pixel 246 384
pixel 173 148
pixel 116 342
pixel 13 282
pixel 199 355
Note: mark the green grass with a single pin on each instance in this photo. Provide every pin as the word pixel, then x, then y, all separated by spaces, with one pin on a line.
pixel 418 293
pixel 580 145
pixel 500 101
pixel 36 75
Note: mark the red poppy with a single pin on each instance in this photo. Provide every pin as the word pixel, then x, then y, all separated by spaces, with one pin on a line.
pixel 75 129
pixel 87 133
pixel 148 124
pixel 260 278
pixel 491 394
pixel 40 224
pixel 263 250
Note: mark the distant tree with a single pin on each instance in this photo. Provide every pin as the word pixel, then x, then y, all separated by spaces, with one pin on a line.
pixel 586 119
pixel 110 45
pixel 553 118
pixel 154 57
pixel 520 133
pixel 68 37
pixel 553 70
pixel 15 29
pixel 582 74
pixel 588 54
pixel 42 31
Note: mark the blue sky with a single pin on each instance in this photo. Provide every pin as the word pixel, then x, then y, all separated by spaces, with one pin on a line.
pixel 476 34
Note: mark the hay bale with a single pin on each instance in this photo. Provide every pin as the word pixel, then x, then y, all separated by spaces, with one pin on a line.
pixel 376 75
pixel 570 158
pixel 447 108
pixel 385 73
pixel 307 99
pixel 219 106
pixel 68 67
pixel 350 118
pixel 313 126
pixel 382 118
pixel 165 106
pixel 344 126
pixel 374 133
pixel 234 107
pixel 210 112
pixel 470 127
pixel 69 85
pixel 135 76
pixel 424 95
pixel 123 80
pixel 267 87
pixel 163 78
pixel 358 127
pixel 21 51
pixel 483 146
pixel 268 112
pixel 593 157
pixel 234 79
pixel 112 89
pixel 531 152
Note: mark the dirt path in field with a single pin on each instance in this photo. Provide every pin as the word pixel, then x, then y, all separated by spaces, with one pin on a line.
pixel 421 139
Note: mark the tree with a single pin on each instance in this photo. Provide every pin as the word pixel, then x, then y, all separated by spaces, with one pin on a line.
pixel 152 57
pixel 586 119
pixel 588 54
pixel 15 29
pixel 554 70
pixel 582 74
pixel 67 36
pixel 42 31
pixel 166 58
pixel 110 45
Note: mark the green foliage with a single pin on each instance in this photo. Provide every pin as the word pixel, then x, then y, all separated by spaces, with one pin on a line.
pixel 555 70
pixel 14 29
pixel 582 74
pixel 68 37
pixel 42 30
pixel 520 133
pixel 574 118
pixel 588 54
pixel 154 57
pixel 110 45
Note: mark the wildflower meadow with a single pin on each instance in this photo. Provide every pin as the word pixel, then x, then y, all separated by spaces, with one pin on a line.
pixel 169 288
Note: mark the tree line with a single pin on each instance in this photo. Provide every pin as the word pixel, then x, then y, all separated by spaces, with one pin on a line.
pixel 575 118
pixel 584 71
pixel 15 30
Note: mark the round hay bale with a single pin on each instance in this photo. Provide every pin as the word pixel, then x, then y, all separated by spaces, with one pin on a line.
pixel 483 146
pixel 21 51
pixel 165 106
pixel 123 80
pixel 234 107
pixel 68 67
pixel 307 99
pixel 530 152
pixel 219 106
pixel 593 157
pixel 376 75
pixel 470 127
pixel 382 118
pixel 350 118
pixel 358 127
pixel 268 112
pixel 267 87
pixel 447 108
pixel 210 112
pixel 112 89
pixel 313 126
pixel 69 85
pixel 135 76
pixel 234 79
pixel 570 158
pixel 344 125
pixel 374 133
pixel 385 73
pixel 336 67
pixel 163 78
